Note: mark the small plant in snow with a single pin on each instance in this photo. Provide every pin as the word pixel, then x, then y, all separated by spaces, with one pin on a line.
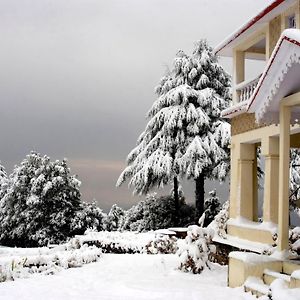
pixel 220 221
pixel 48 261
pixel 162 245
pixel 195 250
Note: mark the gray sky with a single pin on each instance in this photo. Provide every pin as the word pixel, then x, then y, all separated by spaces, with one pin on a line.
pixel 77 77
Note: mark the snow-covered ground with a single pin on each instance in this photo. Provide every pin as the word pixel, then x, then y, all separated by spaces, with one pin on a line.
pixel 125 276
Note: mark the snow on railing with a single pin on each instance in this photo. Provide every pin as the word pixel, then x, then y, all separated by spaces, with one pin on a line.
pixel 245 89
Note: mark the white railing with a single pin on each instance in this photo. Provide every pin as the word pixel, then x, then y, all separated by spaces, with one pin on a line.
pixel 245 89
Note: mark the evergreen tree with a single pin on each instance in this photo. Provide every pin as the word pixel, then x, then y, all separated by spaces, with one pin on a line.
pixel 154 213
pixel 88 216
pixel 185 135
pixel 295 180
pixel 114 218
pixel 3 181
pixel 39 203
pixel 212 206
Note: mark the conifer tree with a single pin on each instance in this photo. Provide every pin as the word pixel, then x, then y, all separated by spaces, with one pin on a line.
pixel 212 206
pixel 185 135
pixel 114 218
pixel 39 203
pixel 295 180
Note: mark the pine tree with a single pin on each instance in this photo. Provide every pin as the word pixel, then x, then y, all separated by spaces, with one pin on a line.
pixel 88 216
pixel 3 181
pixel 185 135
pixel 212 206
pixel 39 202
pixel 295 180
pixel 114 218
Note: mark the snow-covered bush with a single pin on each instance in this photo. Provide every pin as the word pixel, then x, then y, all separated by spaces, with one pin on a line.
pixel 295 240
pixel 162 245
pixel 219 223
pixel 117 242
pixel 47 261
pixel 129 242
pixel 155 213
pixel 195 250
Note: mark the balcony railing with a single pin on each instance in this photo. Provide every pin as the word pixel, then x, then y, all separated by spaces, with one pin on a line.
pixel 245 89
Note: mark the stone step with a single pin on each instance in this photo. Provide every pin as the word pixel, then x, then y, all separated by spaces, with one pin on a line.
pixel 257 287
pixel 290 266
pixel 269 276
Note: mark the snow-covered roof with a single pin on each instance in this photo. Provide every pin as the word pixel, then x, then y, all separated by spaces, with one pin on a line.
pixel 235 110
pixel 279 79
pixel 257 22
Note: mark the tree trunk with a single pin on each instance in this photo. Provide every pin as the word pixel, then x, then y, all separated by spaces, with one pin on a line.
pixel 199 197
pixel 176 199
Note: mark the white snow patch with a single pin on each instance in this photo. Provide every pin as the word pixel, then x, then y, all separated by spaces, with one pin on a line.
pixel 126 277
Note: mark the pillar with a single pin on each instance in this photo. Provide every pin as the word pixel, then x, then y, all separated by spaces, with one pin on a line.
pixel 238 72
pixel 284 159
pixel 270 150
pixel 255 187
pixel 233 181
pixel 245 184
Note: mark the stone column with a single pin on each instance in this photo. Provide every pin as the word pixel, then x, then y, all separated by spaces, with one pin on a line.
pixel 270 150
pixel 245 182
pixel 284 159
pixel 238 72
pixel 233 181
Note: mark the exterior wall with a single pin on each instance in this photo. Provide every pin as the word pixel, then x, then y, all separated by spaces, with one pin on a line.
pixel 239 271
pixel 250 234
pixel 273 35
pixel 244 123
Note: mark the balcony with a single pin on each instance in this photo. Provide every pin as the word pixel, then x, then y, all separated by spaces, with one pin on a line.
pixel 245 89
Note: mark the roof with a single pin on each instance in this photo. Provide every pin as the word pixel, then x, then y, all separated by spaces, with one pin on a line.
pixel 257 22
pixel 279 79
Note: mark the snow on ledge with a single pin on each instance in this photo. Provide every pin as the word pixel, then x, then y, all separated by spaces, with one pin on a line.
pixel 241 243
pixel 252 258
pixel 245 223
pixel 296 274
pixel 257 284
pixel 235 110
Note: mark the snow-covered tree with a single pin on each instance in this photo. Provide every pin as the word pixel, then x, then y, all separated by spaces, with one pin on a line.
pixel 295 180
pixel 212 206
pixel 88 216
pixel 155 212
pixel 115 218
pixel 39 203
pixel 185 135
pixel 3 181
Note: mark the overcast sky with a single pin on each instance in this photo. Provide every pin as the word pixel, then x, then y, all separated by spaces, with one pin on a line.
pixel 77 77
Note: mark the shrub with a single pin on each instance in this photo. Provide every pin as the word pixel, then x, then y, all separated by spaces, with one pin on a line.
pixel 195 250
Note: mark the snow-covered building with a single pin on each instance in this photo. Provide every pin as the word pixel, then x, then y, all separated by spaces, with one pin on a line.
pixel 265 113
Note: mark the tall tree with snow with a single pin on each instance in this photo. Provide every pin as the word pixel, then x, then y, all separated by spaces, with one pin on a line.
pixel 185 135
pixel 3 181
